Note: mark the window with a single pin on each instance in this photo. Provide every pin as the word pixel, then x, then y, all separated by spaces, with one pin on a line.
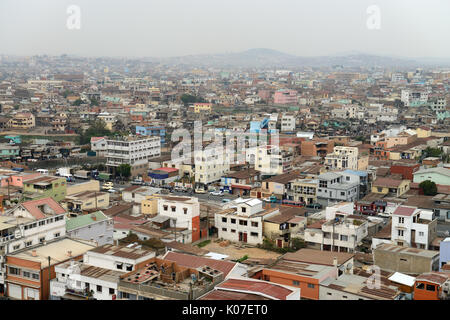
pixel 310 285
pixel 224 229
pixel 185 210
pixel 165 208
pixel 233 231
pixel 99 288
pixel 41 223
pixel 431 287
pixel 16 247
pixel 400 233
pixel 420 285
pixel 111 291
pixel 57 235
pixel 35 276
pixel 243 222
pixel 295 283
pixel 243 209
pixel 233 221
pixel 26 274
pixel 224 219
pixel 401 220
pixel 14 271
pixel 254 224
pixel 254 234
pixel 28 243
pixel 343 193
pixel 173 208
pixel 329 293
pixel 345 297
pixel 421 233
pixel 129 267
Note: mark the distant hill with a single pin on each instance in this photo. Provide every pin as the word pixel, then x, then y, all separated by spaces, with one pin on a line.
pixel 261 57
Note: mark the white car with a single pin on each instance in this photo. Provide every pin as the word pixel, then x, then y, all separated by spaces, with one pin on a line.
pixel 112 190
pixel 216 193
pixel 108 186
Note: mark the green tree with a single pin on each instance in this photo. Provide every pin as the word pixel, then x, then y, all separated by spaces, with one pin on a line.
pixel 188 98
pixel 77 102
pixel 94 102
pixel 97 129
pixel 432 152
pixel 429 188
pixel 124 170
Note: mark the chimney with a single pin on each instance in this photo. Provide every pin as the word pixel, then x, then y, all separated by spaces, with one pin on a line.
pixel 69 253
pixel 33 253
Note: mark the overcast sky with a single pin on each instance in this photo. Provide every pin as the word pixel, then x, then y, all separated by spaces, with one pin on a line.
pixel 161 28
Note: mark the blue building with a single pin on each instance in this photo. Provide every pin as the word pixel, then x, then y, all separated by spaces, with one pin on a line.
pixel 152 131
pixel 444 253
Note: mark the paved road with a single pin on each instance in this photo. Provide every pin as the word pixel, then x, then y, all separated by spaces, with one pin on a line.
pixel 207 196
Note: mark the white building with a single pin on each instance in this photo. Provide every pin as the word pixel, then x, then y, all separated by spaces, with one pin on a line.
pixel 413 227
pixel 98 275
pixel 287 123
pixel 244 223
pixel 99 145
pixel 334 186
pixel 132 150
pixel 414 97
pixel 210 165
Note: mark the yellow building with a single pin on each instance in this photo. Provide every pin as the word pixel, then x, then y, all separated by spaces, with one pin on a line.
pixel 202 107
pixel 304 190
pixel 22 121
pixel 423 132
pixel 150 205
pixel 391 187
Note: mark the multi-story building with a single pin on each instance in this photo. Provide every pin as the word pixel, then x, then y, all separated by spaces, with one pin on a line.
pixel 412 98
pixel 86 200
pixel 287 123
pixel 270 160
pixel 343 233
pixel 98 276
pixel 99 145
pixel 317 147
pixel 243 223
pixel 303 190
pixel 183 212
pixel 202 107
pixel 210 166
pixel 342 158
pixel 22 121
pixel 134 151
pixel 29 224
pixel 29 271
pixel 152 131
pixel 9 152
pixel 285 96
pixel 413 227
pixel 335 186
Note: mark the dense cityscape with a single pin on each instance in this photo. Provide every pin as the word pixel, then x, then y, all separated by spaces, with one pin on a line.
pixel 252 175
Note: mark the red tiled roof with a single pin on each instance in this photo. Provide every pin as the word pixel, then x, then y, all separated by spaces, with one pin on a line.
pixel 387 182
pixel 268 289
pixel 404 211
pixel 33 207
pixel 191 261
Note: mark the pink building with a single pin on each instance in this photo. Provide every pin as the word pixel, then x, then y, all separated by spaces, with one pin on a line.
pixel 285 97
pixel 16 180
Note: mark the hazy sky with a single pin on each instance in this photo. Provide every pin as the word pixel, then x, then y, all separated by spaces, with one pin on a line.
pixel 159 28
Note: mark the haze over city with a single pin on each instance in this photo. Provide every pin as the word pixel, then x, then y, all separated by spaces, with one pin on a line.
pixel 157 28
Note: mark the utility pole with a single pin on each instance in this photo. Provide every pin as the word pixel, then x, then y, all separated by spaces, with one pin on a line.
pixel 95 193
pixel 49 291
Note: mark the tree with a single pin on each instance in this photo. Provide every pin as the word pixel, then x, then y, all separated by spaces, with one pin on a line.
pixel 429 188
pixel 432 152
pixel 77 102
pixel 188 98
pixel 94 102
pixel 124 170
pixel 97 129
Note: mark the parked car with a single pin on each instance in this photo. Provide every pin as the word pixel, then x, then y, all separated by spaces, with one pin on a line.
pixel 216 193
pixel 107 185
pixel 369 212
pixel 271 199
pixel 200 191
pixel 112 190
pixel 314 206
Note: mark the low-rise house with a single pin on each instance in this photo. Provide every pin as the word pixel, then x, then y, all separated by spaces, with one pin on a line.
pixel 243 223
pixel 283 225
pixel 95 226
pixel 86 200
pixel 432 286
pixel 390 187
pixel 45 186
pixel 307 269
pixel 390 257
pixel 439 175
pixel 344 233
pixel 251 289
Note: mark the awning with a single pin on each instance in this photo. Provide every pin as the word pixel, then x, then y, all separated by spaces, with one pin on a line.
pixel 240 186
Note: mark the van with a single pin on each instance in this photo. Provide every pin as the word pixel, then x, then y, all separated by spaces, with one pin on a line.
pixel 42 171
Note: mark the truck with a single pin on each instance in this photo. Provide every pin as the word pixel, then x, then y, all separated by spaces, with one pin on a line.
pixel 63 172
pixel 82 174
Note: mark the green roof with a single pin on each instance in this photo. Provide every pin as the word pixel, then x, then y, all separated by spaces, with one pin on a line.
pixel 84 220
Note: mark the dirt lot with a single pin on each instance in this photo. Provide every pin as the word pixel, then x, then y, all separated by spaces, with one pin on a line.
pixel 235 252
